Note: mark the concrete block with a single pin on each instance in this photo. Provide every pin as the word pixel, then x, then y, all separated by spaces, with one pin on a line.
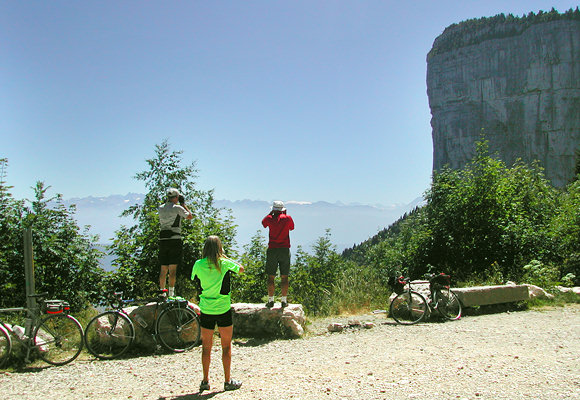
pixel 484 295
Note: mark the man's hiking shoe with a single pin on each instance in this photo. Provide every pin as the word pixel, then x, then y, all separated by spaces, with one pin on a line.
pixel 270 304
pixel 203 386
pixel 232 385
pixel 284 304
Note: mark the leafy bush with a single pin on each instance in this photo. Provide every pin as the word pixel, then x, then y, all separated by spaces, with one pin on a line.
pixel 540 274
pixel 251 286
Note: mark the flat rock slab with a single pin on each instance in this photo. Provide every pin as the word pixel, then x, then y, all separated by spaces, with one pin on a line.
pixel 484 295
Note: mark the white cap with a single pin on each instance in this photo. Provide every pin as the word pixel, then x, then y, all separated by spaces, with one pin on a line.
pixel 172 192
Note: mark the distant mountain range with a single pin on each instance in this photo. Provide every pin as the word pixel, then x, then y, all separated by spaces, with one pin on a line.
pixel 349 224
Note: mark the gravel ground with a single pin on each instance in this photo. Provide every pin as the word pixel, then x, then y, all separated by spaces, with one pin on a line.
pixel 511 355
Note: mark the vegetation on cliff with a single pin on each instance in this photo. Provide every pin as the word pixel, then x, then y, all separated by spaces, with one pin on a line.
pixel 486 222
pixel 477 30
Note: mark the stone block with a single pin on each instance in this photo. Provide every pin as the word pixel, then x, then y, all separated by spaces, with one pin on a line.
pixel 485 295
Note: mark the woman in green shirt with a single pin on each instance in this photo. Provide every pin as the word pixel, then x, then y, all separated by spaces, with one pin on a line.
pixel 213 275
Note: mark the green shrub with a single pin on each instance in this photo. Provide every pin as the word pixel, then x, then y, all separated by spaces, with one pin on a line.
pixel 540 274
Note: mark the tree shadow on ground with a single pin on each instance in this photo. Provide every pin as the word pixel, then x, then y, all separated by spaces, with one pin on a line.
pixel 192 396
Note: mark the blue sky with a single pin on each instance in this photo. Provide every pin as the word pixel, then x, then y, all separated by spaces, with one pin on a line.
pixel 292 100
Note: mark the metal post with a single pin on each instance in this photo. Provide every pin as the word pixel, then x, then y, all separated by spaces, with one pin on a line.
pixel 29 275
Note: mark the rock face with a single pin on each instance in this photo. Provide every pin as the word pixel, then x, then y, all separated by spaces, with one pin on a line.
pixel 520 84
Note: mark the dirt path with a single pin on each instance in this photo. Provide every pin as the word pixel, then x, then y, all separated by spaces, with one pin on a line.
pixel 518 355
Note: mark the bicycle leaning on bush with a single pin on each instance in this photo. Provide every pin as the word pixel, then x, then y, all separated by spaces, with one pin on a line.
pixel 110 334
pixel 50 332
pixel 410 307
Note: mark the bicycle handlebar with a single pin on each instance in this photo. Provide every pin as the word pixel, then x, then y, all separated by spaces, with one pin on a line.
pixel 39 295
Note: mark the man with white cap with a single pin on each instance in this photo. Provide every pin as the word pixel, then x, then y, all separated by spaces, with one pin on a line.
pixel 170 244
pixel 278 254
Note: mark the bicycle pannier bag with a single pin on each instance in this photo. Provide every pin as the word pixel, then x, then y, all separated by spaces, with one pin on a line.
pixel 441 279
pixel 55 306
pixel 396 284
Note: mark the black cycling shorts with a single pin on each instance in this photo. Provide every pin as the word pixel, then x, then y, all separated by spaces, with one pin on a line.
pixel 208 321
pixel 170 251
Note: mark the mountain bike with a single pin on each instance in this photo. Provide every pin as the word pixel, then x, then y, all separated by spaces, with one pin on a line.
pixel 110 334
pixel 410 307
pixel 50 332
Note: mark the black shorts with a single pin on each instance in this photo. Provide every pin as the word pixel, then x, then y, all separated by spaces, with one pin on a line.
pixel 278 257
pixel 208 321
pixel 170 251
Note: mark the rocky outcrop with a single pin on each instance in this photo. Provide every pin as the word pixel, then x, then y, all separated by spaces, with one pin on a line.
pixel 518 83
pixel 256 320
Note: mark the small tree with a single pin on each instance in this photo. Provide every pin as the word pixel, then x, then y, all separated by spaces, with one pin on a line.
pixel 487 214
pixel 11 250
pixel 251 286
pixel 136 247
pixel 66 259
pixel 313 276
pixel 565 231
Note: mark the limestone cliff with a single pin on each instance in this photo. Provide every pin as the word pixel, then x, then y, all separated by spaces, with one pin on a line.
pixel 518 82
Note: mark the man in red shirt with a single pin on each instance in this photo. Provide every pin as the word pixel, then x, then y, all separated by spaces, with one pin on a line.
pixel 278 253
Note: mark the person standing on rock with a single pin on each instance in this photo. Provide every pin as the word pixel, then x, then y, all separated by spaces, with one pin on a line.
pixel 278 254
pixel 170 244
pixel 212 275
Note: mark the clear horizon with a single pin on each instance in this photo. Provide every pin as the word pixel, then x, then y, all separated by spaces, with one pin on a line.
pixel 272 100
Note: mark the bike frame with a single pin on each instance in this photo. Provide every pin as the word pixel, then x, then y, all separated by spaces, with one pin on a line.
pixel 31 322
pixel 160 305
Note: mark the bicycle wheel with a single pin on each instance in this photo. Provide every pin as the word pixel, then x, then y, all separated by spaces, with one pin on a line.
pixel 59 339
pixel 448 304
pixel 109 335
pixel 5 346
pixel 178 328
pixel 408 308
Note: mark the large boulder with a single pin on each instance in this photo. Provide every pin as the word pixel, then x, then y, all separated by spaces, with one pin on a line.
pixel 256 320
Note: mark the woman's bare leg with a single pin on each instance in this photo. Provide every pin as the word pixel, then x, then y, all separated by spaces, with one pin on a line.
pixel 206 345
pixel 226 342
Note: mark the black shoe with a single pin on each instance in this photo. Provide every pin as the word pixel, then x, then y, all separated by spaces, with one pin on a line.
pixel 204 385
pixel 270 304
pixel 232 385
pixel 284 304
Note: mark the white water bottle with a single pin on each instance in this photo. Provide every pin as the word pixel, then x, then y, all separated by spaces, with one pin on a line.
pixel 18 331
pixel 141 321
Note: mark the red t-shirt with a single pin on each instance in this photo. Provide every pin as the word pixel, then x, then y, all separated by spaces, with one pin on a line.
pixel 280 226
